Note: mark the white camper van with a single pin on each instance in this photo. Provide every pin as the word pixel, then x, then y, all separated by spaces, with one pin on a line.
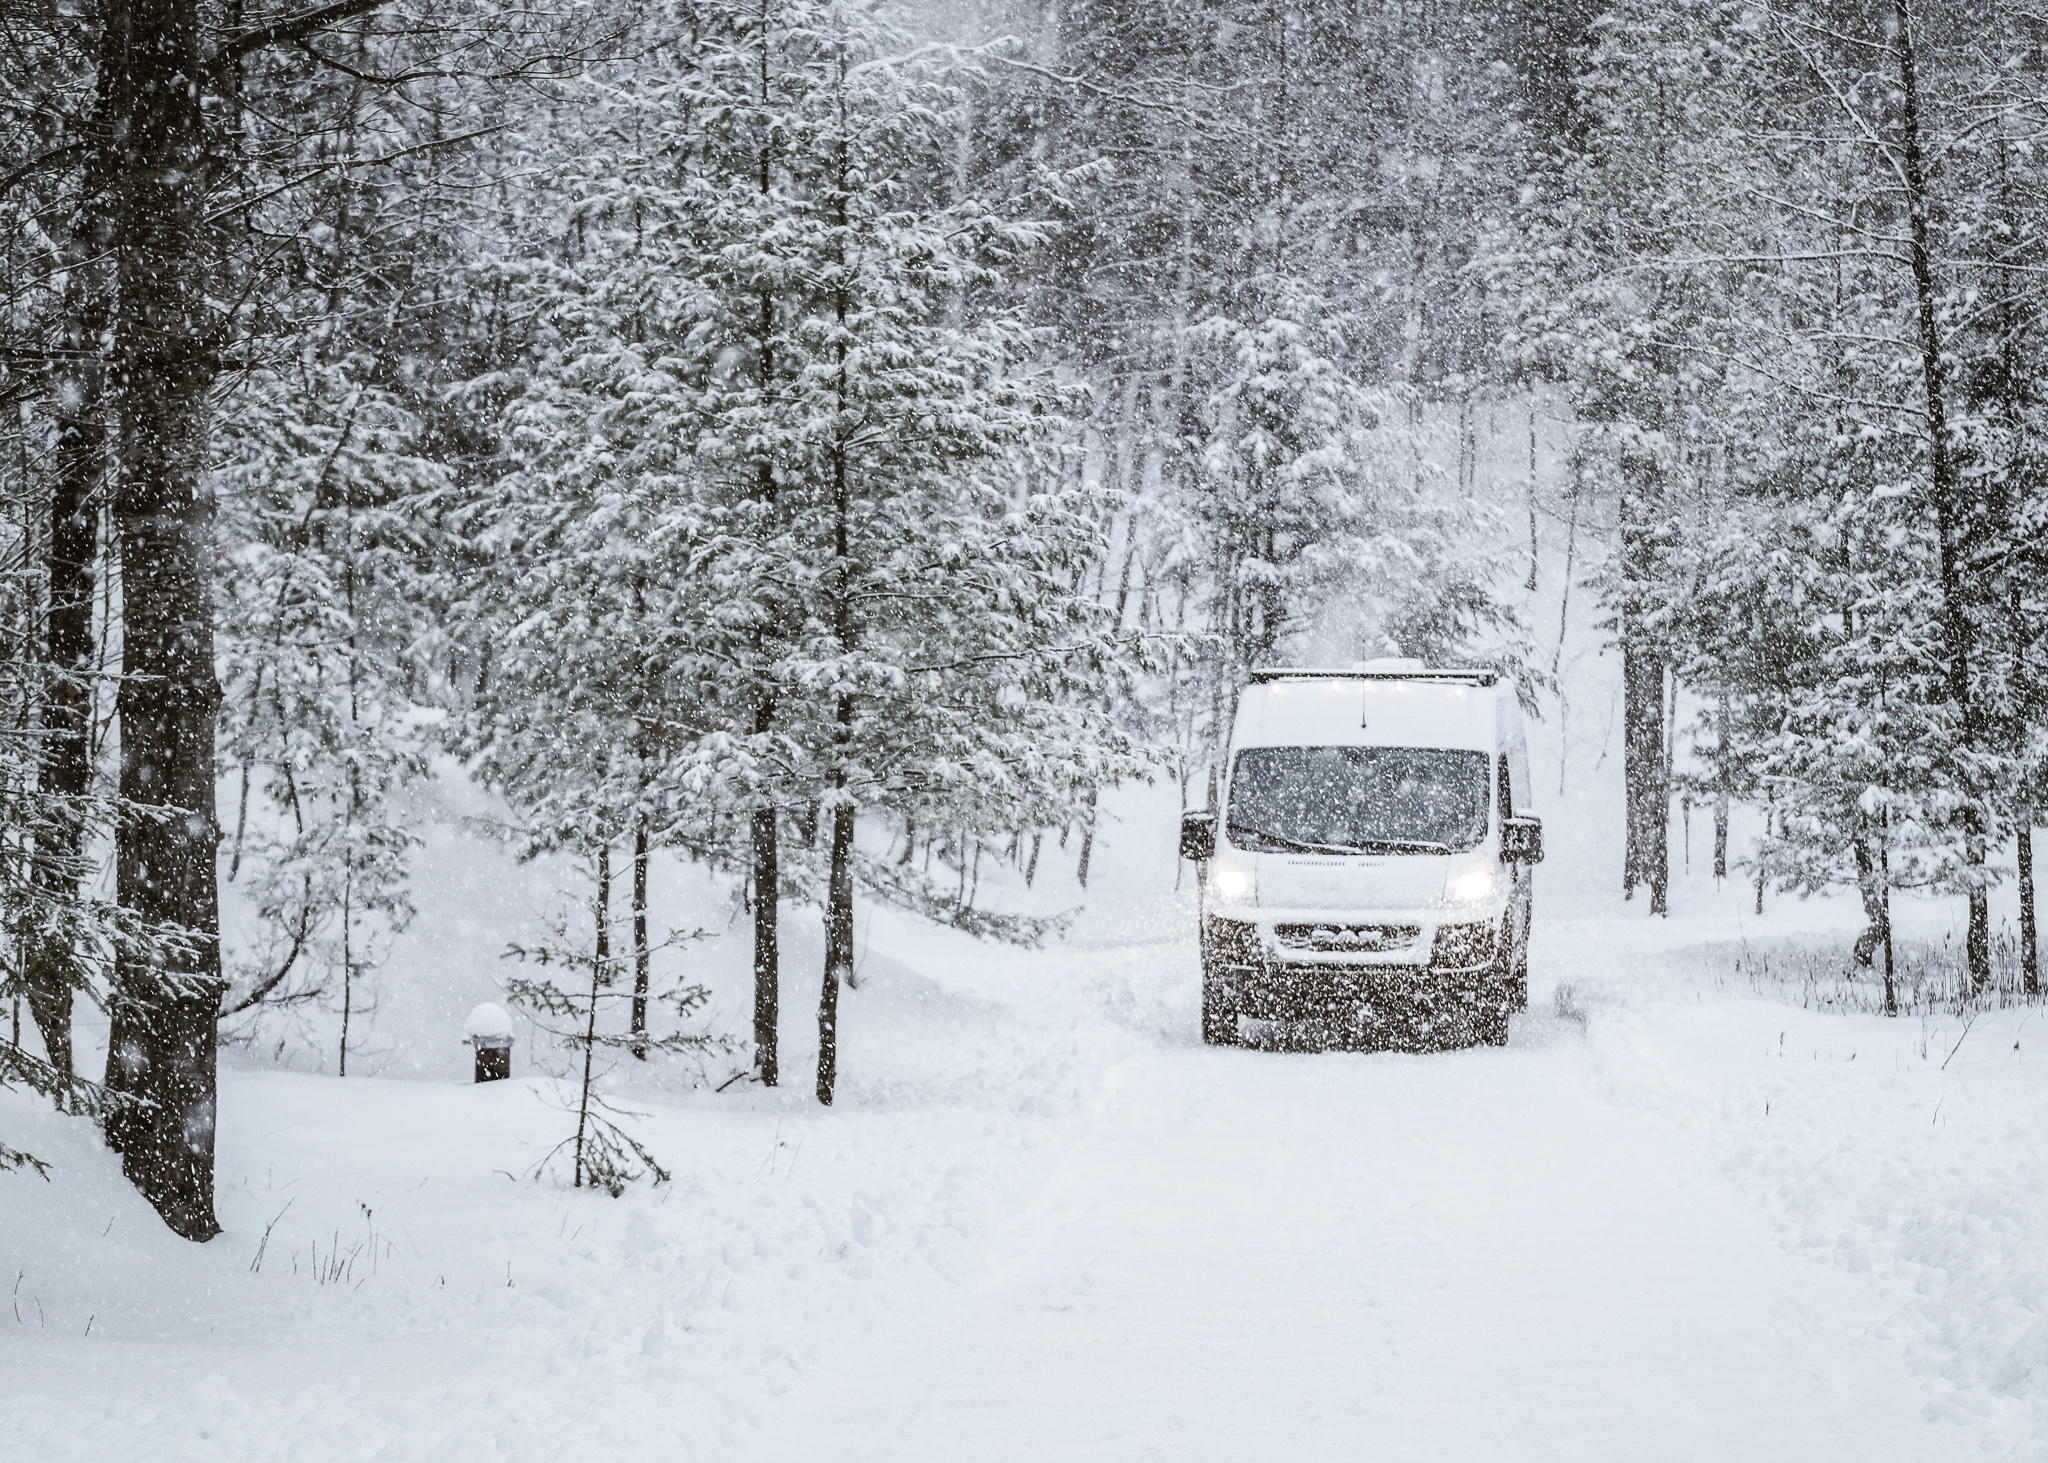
pixel 1370 870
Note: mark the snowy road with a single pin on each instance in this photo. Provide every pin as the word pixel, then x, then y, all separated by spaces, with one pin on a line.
pixel 1469 1256
pixel 1044 1223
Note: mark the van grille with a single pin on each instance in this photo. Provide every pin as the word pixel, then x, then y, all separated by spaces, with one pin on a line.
pixel 1348 939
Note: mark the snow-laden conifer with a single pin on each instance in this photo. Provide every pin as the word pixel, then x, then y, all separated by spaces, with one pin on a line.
pixel 323 710
pixel 775 425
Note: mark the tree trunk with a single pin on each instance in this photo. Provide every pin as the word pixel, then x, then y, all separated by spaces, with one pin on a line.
pixel 1646 855
pixel 1770 811
pixel 1977 944
pixel 767 896
pixel 640 972
pixel 348 972
pixel 1946 487
pixel 1891 987
pixel 599 979
pixel 603 908
pixel 165 1011
pixel 2030 952
pixel 1876 933
pixel 1723 796
pixel 1531 585
pixel 52 968
pixel 1721 811
pixel 838 935
pixel 163 1030
pixel 1087 839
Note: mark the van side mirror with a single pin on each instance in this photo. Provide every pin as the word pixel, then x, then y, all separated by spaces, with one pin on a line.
pixel 1521 840
pixel 1197 836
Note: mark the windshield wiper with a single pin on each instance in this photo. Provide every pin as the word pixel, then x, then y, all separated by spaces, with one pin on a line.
pixel 1370 845
pixel 1296 844
pixel 1403 845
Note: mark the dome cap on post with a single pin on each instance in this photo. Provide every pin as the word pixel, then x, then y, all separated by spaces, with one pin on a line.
pixel 489 1024
pixel 489 1029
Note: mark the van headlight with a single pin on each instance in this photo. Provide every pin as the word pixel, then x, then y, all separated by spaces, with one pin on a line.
pixel 1235 883
pixel 1476 884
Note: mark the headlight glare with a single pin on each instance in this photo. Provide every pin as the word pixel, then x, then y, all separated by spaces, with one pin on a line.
pixel 1475 884
pixel 1235 883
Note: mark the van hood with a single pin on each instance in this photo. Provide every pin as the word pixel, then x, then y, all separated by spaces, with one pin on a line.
pixel 1366 882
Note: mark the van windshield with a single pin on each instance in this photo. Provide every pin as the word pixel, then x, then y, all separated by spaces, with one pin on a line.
pixel 1358 799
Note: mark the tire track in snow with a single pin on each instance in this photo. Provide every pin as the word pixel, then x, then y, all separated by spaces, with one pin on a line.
pixel 1472 1255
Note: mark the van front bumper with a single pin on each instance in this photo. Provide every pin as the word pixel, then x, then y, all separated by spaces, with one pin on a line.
pixel 1290 966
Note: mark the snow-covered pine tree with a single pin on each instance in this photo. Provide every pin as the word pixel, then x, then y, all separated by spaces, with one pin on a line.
pixel 661 293
pixel 1625 256
pixel 596 622
pixel 1851 443
pixel 576 981
pixel 43 902
pixel 324 525
pixel 354 308
pixel 1997 224
pixel 572 730
pixel 934 605
pixel 769 346
pixel 1313 515
pixel 1318 173
pixel 606 693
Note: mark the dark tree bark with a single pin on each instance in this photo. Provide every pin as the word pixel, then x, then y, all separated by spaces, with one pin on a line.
pixel 2030 950
pixel 603 906
pixel 1087 840
pixel 162 1045
pixel 1724 794
pixel 1770 812
pixel 1945 486
pixel 1645 773
pixel 767 889
pixel 1876 906
pixel 600 977
pixel 838 932
pixel 640 957
pixel 78 396
pixel 839 880
pixel 1533 540
pixel 767 870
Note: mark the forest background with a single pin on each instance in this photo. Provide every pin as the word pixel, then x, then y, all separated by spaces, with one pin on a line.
pixel 834 443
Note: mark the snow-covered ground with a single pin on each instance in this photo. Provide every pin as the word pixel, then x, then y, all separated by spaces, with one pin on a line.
pixel 1678 1217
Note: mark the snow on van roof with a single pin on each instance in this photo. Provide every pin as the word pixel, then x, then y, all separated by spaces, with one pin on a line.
pixel 1378 671
pixel 1355 709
